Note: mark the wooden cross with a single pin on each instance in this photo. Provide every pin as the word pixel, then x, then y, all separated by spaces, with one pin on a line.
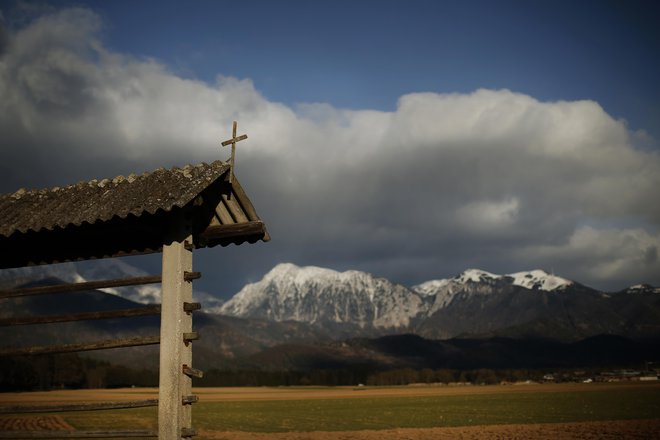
pixel 233 141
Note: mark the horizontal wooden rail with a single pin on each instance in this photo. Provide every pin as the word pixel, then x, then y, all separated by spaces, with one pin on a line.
pixel 95 406
pixel 124 313
pixel 246 229
pixel 61 434
pixel 80 287
pixel 72 348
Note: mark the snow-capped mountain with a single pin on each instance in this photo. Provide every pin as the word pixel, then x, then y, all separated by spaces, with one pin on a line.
pixel 533 280
pixel 326 298
pixel 476 281
pixel 323 296
pixel 474 302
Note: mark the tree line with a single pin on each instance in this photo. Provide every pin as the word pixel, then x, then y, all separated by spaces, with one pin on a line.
pixel 72 371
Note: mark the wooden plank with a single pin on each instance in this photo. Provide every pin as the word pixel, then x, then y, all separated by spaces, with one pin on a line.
pixel 234 140
pixel 96 406
pixel 244 201
pixel 189 307
pixel 125 313
pixel 61 434
pixel 238 230
pixel 223 213
pixel 72 348
pixel 215 220
pixel 79 287
pixel 191 276
pixel 235 209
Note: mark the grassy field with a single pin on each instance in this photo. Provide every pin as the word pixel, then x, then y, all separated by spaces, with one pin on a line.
pixel 345 409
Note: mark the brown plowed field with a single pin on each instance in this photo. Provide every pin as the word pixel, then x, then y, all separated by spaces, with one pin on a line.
pixel 33 423
pixel 610 430
pixel 619 430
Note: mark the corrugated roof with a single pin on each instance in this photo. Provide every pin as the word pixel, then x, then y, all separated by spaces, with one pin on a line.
pixel 125 216
pixel 101 200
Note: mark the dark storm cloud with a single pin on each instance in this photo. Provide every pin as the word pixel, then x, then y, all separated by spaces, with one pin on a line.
pixel 492 179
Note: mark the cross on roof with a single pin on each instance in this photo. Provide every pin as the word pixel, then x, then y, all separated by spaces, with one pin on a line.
pixel 233 141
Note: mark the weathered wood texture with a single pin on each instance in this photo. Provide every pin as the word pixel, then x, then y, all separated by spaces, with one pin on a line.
pixel 77 434
pixel 254 229
pixel 95 406
pixel 110 314
pixel 72 348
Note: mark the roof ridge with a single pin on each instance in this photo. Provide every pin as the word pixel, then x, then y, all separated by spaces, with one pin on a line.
pixel 102 183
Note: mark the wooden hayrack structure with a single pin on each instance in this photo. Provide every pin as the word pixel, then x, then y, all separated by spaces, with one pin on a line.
pixel 170 211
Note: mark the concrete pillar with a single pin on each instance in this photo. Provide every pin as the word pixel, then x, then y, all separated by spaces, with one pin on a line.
pixel 173 416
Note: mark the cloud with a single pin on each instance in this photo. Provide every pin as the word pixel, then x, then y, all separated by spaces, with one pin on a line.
pixel 493 178
pixel 616 255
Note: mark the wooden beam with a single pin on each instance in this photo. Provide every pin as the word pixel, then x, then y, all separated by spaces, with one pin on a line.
pixel 223 214
pixel 62 434
pixel 96 406
pixel 238 230
pixel 80 287
pixel 125 313
pixel 235 209
pixel 72 348
pixel 191 276
pixel 244 201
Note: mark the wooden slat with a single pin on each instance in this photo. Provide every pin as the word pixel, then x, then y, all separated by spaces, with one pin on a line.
pixel 77 434
pixel 244 201
pixel 72 348
pixel 235 209
pixel 79 287
pixel 215 220
pixel 96 406
pixel 125 313
pixel 223 213
pixel 248 229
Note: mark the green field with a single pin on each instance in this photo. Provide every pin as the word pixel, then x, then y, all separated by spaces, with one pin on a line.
pixel 493 408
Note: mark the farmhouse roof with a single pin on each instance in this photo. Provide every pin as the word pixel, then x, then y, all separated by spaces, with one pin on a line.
pixel 125 215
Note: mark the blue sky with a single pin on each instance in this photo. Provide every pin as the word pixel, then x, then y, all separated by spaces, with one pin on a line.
pixel 366 54
pixel 410 139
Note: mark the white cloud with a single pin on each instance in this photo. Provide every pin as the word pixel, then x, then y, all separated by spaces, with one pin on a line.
pixel 444 182
pixel 487 216
pixel 603 254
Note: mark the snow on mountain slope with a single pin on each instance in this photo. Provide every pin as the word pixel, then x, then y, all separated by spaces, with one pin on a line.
pixel 481 282
pixel 441 292
pixel 475 276
pixel 67 272
pixel 533 280
pixel 539 280
pixel 326 297
pixel 642 288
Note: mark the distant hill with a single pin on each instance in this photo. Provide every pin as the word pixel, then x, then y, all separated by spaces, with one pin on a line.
pixel 412 351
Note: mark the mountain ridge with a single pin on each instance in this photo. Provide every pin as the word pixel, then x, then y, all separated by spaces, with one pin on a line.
pixel 475 302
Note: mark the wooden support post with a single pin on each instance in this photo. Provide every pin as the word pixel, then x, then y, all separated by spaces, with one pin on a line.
pixel 174 418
